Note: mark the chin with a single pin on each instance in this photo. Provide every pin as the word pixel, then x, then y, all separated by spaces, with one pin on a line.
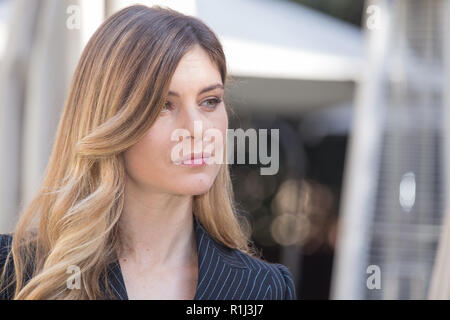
pixel 196 184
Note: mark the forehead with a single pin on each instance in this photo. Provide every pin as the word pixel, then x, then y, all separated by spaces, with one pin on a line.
pixel 196 68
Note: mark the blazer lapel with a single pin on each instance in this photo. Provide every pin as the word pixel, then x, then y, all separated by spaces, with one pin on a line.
pixel 217 267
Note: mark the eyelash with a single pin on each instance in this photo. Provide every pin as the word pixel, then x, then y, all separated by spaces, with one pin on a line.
pixel 215 100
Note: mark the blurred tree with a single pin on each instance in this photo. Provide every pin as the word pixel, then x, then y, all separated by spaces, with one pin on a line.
pixel 347 10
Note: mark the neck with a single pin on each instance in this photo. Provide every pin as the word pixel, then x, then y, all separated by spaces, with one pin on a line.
pixel 157 229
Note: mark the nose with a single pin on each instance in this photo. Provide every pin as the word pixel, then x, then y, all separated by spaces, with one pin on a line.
pixel 196 123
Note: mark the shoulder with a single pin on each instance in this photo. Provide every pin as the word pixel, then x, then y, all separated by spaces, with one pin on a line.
pixel 5 247
pixel 262 279
pixel 277 276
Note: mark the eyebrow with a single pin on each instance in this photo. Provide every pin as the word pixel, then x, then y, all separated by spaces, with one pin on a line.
pixel 206 89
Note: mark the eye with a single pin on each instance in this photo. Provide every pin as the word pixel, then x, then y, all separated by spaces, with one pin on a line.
pixel 167 107
pixel 212 103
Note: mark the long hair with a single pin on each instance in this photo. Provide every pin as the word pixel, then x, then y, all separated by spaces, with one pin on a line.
pixel 117 91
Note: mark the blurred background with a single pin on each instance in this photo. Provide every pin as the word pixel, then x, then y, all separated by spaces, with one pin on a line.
pixel 358 92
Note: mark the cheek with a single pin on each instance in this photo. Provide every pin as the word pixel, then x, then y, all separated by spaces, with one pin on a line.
pixel 224 119
pixel 144 161
pixel 222 126
pixel 219 121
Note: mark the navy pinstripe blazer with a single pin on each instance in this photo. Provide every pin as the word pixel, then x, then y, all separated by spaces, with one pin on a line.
pixel 223 273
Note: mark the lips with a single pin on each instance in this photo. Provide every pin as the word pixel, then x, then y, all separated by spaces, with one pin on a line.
pixel 195 158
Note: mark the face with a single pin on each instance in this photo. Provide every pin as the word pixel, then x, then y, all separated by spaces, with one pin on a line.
pixel 195 100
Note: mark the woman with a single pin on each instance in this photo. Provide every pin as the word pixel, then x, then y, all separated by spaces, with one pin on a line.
pixel 117 215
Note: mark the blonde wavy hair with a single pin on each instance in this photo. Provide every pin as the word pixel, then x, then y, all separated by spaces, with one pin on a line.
pixel 118 89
